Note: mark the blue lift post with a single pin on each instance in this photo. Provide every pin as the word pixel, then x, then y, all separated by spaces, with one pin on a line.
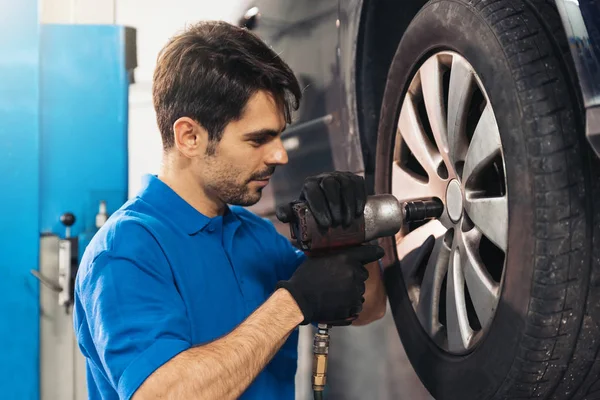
pixel 63 148
pixel 19 199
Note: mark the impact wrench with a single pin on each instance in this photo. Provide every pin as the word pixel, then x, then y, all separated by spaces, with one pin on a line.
pixel 383 216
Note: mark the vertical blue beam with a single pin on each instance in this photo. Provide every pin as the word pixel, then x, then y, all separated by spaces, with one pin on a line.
pixel 84 113
pixel 19 199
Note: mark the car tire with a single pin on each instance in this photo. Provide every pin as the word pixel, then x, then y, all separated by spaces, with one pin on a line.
pixel 544 336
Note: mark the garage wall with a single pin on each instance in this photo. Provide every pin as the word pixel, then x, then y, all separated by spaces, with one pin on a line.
pixel 77 11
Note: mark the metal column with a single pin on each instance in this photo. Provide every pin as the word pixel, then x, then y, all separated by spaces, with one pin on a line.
pixel 19 199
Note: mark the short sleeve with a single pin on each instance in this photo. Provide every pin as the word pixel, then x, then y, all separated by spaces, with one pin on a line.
pixel 136 318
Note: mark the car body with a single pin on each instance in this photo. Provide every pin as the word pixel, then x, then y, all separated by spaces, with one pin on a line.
pixel 355 60
pixel 341 50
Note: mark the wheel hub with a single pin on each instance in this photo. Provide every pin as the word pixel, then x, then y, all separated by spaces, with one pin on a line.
pixel 454 201
pixel 449 147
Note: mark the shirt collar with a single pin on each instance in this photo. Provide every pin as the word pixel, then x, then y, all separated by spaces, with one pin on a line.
pixel 160 195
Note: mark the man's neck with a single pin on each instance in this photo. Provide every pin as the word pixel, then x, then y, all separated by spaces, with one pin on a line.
pixel 189 189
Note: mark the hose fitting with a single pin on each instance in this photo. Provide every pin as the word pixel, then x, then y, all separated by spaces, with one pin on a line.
pixel 320 353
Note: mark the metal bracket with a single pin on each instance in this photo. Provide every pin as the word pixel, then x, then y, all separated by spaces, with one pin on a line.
pixel 64 272
pixel 67 264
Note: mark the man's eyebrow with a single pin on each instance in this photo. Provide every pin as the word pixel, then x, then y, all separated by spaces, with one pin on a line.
pixel 264 132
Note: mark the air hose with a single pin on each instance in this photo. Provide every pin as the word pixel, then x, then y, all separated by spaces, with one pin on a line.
pixel 320 353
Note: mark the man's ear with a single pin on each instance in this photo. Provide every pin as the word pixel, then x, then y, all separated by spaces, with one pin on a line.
pixel 191 139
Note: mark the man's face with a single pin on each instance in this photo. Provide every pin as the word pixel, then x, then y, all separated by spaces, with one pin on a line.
pixel 241 163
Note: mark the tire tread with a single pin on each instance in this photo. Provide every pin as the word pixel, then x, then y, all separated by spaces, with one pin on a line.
pixel 555 329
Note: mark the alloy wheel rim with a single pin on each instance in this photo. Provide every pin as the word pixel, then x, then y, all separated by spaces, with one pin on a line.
pixel 448 147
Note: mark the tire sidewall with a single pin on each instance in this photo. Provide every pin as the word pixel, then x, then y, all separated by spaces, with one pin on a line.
pixel 455 26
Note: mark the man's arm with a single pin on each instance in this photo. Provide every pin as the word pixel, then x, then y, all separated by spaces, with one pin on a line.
pixel 223 369
pixel 375 296
pixel 133 321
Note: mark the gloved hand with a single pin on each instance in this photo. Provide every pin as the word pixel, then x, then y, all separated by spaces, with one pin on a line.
pixel 396 274
pixel 333 198
pixel 330 288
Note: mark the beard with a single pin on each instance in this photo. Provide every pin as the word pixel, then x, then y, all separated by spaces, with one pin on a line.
pixel 231 191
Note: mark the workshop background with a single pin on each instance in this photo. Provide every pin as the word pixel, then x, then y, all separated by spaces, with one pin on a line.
pixel 77 132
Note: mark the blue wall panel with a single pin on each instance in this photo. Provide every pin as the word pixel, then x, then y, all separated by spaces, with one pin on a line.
pixel 84 115
pixel 19 198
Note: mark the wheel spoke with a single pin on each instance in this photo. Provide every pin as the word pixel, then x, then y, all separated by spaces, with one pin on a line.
pixel 416 238
pixel 459 94
pixel 407 186
pixel 412 133
pixel 457 321
pixel 448 146
pixel 490 216
pixel 433 95
pixel 484 145
pixel 429 297
pixel 483 290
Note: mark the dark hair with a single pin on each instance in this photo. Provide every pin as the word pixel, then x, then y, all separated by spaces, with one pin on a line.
pixel 209 72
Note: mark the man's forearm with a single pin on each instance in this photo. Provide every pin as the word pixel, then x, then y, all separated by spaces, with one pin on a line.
pixel 223 369
pixel 375 297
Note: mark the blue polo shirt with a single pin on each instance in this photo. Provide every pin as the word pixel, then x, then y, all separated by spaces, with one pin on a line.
pixel 159 277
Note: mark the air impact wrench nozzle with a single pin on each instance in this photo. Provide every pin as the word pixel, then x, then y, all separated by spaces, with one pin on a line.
pixel 421 210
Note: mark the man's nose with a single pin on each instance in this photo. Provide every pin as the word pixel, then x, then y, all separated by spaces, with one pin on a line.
pixel 278 155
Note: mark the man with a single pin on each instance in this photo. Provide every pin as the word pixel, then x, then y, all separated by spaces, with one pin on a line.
pixel 183 294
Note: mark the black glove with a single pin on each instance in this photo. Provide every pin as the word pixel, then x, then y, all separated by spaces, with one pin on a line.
pixel 330 288
pixel 399 272
pixel 333 198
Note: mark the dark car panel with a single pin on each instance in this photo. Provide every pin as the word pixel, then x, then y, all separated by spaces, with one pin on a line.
pixel 581 21
pixel 331 47
pixel 340 51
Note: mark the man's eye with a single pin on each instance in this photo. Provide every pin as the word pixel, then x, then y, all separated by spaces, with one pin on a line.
pixel 259 141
